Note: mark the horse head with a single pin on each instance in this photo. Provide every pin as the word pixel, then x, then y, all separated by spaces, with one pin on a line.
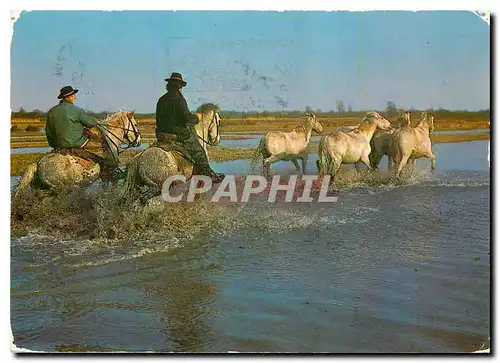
pixel 117 129
pixel 313 121
pixel 210 122
pixel 380 121
pixel 214 129
pixel 132 134
pixel 121 127
pixel 427 119
pixel 404 118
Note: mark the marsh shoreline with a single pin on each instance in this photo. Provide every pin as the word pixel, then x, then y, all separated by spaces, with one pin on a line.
pixel 18 162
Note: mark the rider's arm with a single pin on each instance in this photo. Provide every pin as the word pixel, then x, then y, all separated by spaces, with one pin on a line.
pixel 87 120
pixel 160 112
pixel 187 116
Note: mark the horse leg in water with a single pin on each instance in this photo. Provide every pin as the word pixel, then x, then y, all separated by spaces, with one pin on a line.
pixel 321 172
pixel 272 159
pixel 413 165
pixel 152 189
pixel 266 166
pixel 303 157
pixel 335 165
pixel 365 159
pixel 432 156
pixel 401 165
pixel 267 169
pixel 375 160
pixel 390 163
pixel 335 169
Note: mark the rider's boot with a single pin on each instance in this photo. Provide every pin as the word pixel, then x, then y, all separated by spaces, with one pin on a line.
pixel 205 169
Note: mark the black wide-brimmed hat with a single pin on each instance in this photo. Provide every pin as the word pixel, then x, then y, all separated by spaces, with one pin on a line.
pixel 176 77
pixel 66 91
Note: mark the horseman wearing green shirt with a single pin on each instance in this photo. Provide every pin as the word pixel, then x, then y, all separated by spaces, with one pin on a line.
pixel 65 130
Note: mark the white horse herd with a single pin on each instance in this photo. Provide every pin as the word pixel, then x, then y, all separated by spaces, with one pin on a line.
pixel 366 142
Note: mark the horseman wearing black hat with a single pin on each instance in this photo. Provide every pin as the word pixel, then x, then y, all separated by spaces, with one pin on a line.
pixel 66 130
pixel 175 121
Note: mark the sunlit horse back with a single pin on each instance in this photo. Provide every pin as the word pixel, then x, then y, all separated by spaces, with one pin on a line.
pixel 55 170
pixel 413 143
pixel 381 140
pixel 287 146
pixel 154 165
pixel 351 147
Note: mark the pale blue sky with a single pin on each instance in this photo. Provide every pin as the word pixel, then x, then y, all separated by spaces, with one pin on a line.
pixel 253 60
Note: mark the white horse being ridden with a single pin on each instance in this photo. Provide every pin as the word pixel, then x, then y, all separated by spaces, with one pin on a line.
pixel 56 171
pixel 351 147
pixel 413 143
pixel 289 146
pixel 154 165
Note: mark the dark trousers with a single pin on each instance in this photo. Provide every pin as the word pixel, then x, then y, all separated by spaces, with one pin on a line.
pixel 192 146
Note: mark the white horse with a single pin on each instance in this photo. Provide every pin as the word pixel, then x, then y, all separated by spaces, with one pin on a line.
pixel 381 140
pixel 287 146
pixel 346 128
pixel 351 147
pixel 57 171
pixel 208 129
pixel 412 143
pixel 154 165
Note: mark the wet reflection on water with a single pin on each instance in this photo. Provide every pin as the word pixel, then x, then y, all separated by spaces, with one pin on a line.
pixel 386 269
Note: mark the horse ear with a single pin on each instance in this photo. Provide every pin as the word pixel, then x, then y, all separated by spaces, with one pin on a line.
pixel 130 114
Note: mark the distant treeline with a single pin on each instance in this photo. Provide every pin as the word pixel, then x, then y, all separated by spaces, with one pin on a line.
pixel 439 114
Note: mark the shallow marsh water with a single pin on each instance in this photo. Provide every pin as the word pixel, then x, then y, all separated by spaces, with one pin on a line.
pixel 388 268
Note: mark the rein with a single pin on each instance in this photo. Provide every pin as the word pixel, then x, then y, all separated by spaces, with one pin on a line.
pixel 106 130
pixel 209 125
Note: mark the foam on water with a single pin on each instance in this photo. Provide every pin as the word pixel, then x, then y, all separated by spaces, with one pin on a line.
pixel 166 246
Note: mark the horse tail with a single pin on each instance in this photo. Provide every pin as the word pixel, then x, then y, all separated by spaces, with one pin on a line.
pixel 130 177
pixel 27 178
pixel 396 149
pixel 322 162
pixel 258 152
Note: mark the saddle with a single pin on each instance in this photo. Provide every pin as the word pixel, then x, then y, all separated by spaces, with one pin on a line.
pixel 168 142
pixel 83 160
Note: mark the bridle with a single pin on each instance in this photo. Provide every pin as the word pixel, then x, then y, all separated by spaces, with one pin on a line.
pixel 106 131
pixel 217 125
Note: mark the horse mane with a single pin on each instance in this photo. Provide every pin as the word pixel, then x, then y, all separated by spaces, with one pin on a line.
pixel 207 107
pixel 109 122
pixel 114 115
pixel 367 117
pixel 401 117
pixel 365 121
pixel 424 119
pixel 300 127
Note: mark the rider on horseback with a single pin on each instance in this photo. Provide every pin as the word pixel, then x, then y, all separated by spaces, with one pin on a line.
pixel 174 123
pixel 65 131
